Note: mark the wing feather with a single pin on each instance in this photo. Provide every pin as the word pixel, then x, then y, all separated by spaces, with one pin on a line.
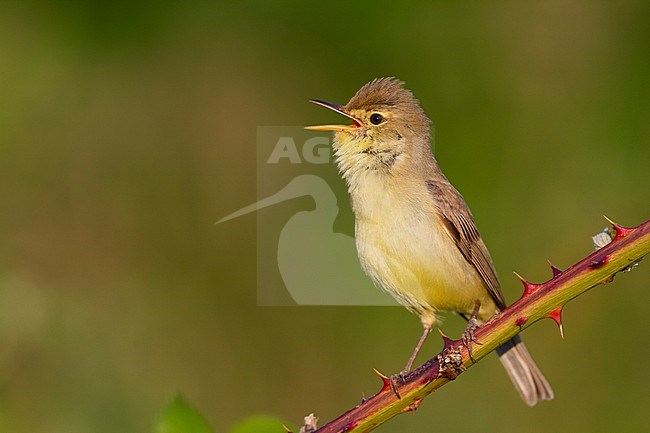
pixel 458 221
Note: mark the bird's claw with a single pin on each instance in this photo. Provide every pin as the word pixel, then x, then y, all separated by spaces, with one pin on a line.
pixel 396 380
pixel 468 337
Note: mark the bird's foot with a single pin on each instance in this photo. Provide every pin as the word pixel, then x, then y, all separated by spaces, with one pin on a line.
pixel 397 380
pixel 468 337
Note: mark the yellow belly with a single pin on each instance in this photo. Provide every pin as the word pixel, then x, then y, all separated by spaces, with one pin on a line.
pixel 411 256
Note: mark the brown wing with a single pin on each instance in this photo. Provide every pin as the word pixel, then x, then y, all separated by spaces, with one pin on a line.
pixel 458 222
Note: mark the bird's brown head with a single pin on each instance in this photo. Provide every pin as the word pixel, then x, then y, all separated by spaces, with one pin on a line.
pixel 388 125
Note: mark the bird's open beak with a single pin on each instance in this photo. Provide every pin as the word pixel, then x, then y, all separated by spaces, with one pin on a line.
pixel 339 109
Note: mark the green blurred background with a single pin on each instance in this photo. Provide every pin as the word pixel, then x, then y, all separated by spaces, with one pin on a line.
pixel 128 128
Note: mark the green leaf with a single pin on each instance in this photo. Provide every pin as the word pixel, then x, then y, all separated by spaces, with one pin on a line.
pixel 258 424
pixel 180 417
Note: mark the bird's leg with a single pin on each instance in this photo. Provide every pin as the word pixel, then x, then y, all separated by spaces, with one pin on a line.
pixel 400 376
pixel 468 336
pixel 409 363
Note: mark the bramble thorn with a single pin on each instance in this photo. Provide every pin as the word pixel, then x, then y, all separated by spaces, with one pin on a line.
pixel 385 379
pixel 556 315
pixel 556 271
pixel 621 231
pixel 446 341
pixel 609 220
pixel 529 287
pixel 380 374
pixel 412 407
pixel 286 429
pixel 521 321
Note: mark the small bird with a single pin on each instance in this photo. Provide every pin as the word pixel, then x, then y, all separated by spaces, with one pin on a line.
pixel 415 235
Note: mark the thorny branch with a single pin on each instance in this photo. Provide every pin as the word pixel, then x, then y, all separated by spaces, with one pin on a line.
pixel 546 300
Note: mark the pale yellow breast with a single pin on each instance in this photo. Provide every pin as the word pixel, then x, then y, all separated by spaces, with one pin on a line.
pixel 404 248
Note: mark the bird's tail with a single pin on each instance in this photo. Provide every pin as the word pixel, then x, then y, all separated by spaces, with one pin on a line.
pixel 524 373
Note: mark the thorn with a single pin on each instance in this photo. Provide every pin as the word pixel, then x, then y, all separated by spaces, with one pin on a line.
pixel 413 406
pixel 609 221
pixel 521 321
pixel 447 342
pixel 529 287
pixel 556 271
pixel 556 315
pixel 385 379
pixel 286 429
pixel 363 398
pixel 621 231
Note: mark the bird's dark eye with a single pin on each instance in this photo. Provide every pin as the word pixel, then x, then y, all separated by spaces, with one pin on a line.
pixel 376 118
